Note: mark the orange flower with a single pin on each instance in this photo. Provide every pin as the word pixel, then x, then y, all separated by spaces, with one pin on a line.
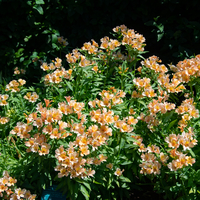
pixel 44 149
pixel 84 150
pixel 90 172
pixel 172 141
pixel 95 68
pixel 109 165
pixel 163 157
pixel 102 157
pixel 47 102
pixel 118 172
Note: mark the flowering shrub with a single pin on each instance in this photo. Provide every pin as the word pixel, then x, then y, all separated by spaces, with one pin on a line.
pixel 111 117
pixel 7 191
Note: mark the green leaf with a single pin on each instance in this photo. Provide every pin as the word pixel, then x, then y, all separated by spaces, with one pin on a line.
pixel 55 38
pixel 19 53
pixel 96 182
pixel 141 102
pixel 122 143
pixel 168 116
pixel 190 181
pixel 69 85
pixel 87 185
pixel 126 163
pixel 124 179
pixel 84 182
pixel 39 2
pixel 130 146
pixel 110 180
pixel 171 124
pixel 39 9
pixel 29 3
pixel 160 27
pixel 159 36
pixel 84 192
pixel 117 182
pixel 97 90
pixel 135 169
pixel 192 153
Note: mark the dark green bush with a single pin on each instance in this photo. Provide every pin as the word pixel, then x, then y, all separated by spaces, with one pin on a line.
pixel 29 28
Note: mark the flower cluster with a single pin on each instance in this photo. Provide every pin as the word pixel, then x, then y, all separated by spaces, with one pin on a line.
pixel 22 130
pixel 47 124
pixel 71 107
pixel 102 116
pixel 72 163
pixel 31 97
pixel 152 158
pixel 74 56
pixel 107 43
pixel 157 89
pixel 130 37
pixel 188 111
pixel 57 76
pixel 90 48
pixel 50 125
pixel 187 68
pixel 144 88
pixel 181 161
pixel 4 120
pixel 19 71
pixel 14 85
pixel 57 64
pixel 187 141
pixel 153 64
pixel 110 98
pixel 3 98
pixel 63 41
pixel 73 160
pixel 150 165
pixel 7 190
pixel 171 86
pixel 156 106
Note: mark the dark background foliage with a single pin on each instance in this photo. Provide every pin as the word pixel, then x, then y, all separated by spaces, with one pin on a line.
pixel 28 29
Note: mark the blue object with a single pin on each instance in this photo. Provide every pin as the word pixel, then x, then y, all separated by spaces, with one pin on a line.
pixel 52 194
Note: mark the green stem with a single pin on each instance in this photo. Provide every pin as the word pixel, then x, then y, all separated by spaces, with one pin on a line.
pixel 119 142
pixel 107 70
pixel 77 84
pixel 122 81
pixel 105 80
pixel 40 164
pixel 134 64
pixel 186 195
pixel 191 90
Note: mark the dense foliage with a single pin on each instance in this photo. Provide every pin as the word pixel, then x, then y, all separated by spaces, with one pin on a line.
pixel 105 119
pixel 112 121
pixel 169 30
